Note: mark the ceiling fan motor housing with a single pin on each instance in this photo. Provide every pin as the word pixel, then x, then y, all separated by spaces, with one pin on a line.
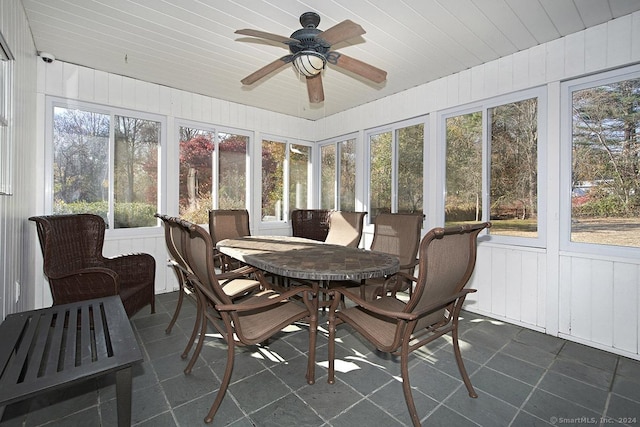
pixel 309 56
pixel 308 41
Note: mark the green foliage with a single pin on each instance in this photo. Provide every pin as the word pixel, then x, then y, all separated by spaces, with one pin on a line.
pixel 604 206
pixel 98 208
pixel 200 213
pixel 461 213
pixel 127 215
pixel 130 215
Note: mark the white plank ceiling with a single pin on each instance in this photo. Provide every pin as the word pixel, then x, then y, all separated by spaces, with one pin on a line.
pixel 191 45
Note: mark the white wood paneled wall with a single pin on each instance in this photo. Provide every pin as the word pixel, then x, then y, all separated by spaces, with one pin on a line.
pixel 16 248
pixel 593 300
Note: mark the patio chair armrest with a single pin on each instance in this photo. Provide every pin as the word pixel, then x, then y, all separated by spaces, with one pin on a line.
pixel 365 305
pixel 438 305
pixel 238 272
pixel 413 263
pixel 394 283
pixel 275 300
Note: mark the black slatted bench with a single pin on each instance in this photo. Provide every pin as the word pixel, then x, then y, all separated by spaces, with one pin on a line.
pixel 58 346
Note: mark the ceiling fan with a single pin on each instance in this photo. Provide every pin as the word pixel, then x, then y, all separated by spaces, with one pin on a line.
pixel 311 50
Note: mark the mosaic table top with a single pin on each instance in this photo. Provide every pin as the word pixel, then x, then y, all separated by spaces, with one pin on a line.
pixel 300 258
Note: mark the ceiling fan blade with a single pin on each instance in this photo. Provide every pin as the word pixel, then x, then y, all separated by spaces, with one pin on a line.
pixel 267 69
pixel 343 31
pixel 314 88
pixel 358 67
pixel 268 36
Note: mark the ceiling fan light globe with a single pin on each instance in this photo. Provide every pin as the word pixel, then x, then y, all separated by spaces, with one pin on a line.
pixel 309 63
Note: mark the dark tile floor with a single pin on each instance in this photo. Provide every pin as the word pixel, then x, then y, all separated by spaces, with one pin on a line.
pixel 523 378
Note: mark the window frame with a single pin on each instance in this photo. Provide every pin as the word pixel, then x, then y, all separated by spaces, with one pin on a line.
pixel 483 106
pixel 215 161
pixel 52 102
pixel 566 142
pixel 288 142
pixel 6 112
pixel 336 143
pixel 393 128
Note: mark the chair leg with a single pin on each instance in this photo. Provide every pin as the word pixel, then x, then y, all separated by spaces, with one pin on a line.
pixel 194 331
pixel 406 386
pixel 202 319
pixel 456 352
pixel 178 305
pixel 226 379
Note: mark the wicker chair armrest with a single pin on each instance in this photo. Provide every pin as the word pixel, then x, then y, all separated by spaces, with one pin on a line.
pixel 306 292
pixel 88 283
pixel 132 268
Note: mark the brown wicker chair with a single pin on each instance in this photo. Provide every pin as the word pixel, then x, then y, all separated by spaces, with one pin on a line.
pixel 310 223
pixel 249 320
pixel 345 228
pixel 447 260
pixel 76 269
pixel 227 224
pixel 395 234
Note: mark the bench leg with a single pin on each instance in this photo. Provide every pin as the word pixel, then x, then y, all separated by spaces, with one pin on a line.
pixel 123 396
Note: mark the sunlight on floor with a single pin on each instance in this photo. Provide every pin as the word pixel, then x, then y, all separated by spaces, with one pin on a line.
pixel 341 366
pixel 266 353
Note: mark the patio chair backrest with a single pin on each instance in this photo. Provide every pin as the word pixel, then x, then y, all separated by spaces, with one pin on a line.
pixel 398 234
pixel 345 228
pixel 447 260
pixel 199 251
pixel 228 224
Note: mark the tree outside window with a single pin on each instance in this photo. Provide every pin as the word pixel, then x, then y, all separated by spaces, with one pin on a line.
pixel 347 181
pixel 511 171
pixel 464 169
pixel 273 162
pixel 338 175
pixel 328 176
pixel 514 169
pixel 135 172
pixel 299 164
pixel 396 170
pixel 82 179
pixel 199 191
pixel 285 178
pixel 605 164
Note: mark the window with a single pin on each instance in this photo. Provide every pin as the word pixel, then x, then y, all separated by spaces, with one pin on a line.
pixel 105 162
pixel 492 158
pixel 338 175
pixel 284 166
pixel 396 168
pixel 602 166
pixel 6 172
pixel 299 164
pixel 202 152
